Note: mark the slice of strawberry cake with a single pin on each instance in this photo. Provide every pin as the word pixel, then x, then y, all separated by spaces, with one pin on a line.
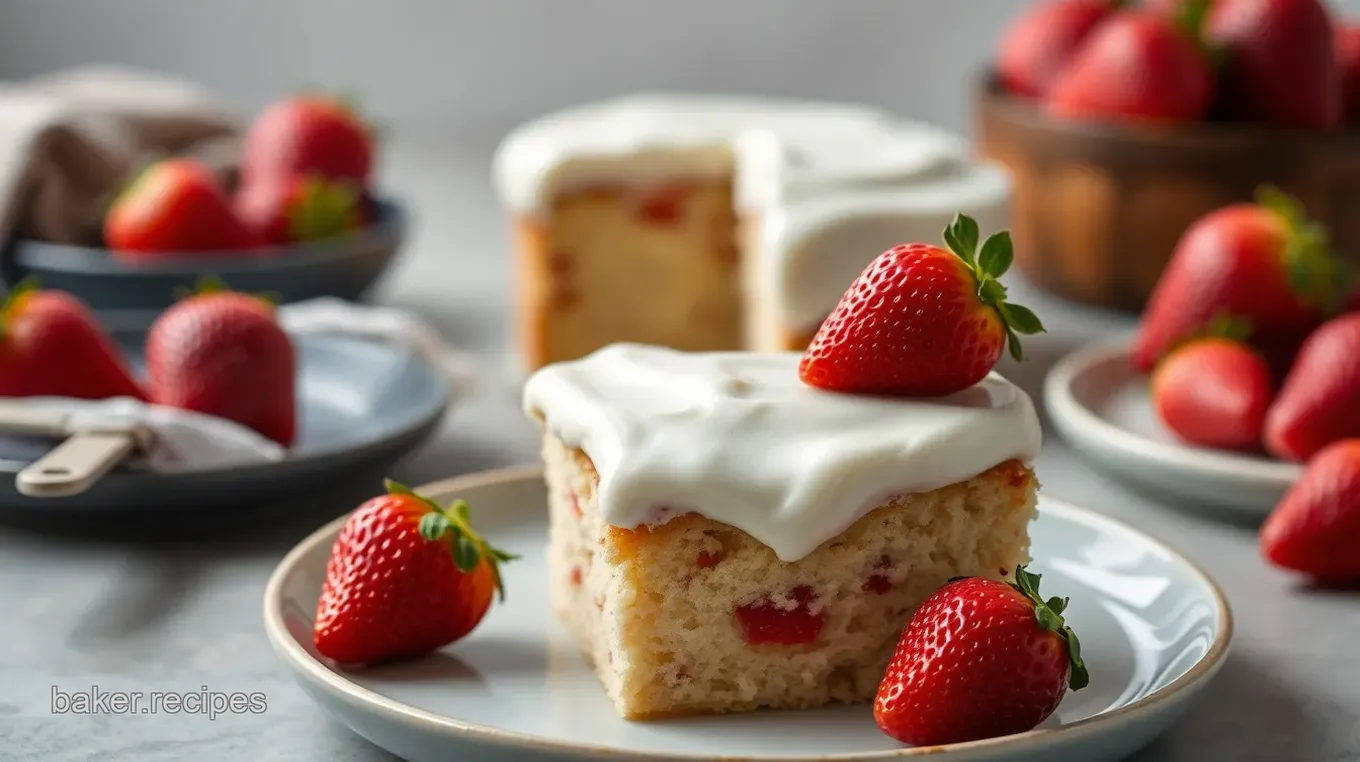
pixel 725 537
pixel 732 531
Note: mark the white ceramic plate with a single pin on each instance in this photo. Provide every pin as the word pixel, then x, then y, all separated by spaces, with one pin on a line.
pixel 1154 630
pixel 1101 406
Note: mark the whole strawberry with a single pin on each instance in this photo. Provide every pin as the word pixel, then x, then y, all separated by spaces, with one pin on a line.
pixel 223 353
pixel 1278 62
pixel 299 208
pixel 1038 44
pixel 1319 402
pixel 1315 529
pixel 1263 263
pixel 52 345
pixel 979 659
pixel 175 206
pixel 308 135
pixel 1214 392
pixel 1346 42
pixel 1138 66
pixel 405 577
pixel 921 321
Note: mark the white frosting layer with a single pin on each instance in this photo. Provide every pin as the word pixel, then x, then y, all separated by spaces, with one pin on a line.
pixel 736 437
pixel 832 185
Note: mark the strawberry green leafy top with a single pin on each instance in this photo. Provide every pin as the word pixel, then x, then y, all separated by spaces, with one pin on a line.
pixel 1318 277
pixel 1049 613
pixel 987 267
pixel 455 524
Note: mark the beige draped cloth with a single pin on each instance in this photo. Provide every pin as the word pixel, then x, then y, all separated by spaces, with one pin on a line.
pixel 69 141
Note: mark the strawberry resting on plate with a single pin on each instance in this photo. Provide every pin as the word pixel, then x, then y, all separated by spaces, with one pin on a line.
pixel 51 344
pixel 405 576
pixel 979 659
pixel 1213 391
pixel 921 320
pixel 1315 529
pixel 224 353
pixel 1320 400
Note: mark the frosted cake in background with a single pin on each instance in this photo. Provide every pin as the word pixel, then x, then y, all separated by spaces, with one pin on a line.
pixel 717 223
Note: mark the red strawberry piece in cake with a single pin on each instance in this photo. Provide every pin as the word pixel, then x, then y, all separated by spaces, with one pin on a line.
pixel 708 559
pixel 788 620
pixel 663 206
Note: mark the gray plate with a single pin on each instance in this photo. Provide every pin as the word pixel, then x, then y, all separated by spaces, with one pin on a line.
pixel 1101 405
pixel 345 268
pixel 1154 630
pixel 362 405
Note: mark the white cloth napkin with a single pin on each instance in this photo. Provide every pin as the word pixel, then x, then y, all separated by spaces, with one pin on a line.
pixel 190 441
pixel 184 440
pixel 70 141
pixel 337 316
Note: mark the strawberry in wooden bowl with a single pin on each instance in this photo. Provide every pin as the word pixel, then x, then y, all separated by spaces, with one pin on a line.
pixel 1125 122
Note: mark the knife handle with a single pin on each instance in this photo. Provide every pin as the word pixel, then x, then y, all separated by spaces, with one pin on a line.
pixel 73 466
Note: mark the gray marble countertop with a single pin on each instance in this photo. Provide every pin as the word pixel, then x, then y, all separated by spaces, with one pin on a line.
pixel 159 614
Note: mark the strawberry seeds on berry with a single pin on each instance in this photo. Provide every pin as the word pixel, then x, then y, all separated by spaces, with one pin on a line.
pixel 979 659
pixel 922 321
pixel 405 576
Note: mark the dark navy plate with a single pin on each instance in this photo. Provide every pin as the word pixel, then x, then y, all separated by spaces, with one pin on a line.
pixel 362 405
pixel 345 267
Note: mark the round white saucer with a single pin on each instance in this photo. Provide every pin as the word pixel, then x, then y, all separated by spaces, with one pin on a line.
pixel 1101 405
pixel 1154 630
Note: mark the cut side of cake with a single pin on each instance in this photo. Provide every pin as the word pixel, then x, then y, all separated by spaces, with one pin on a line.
pixel 717 223
pixel 723 538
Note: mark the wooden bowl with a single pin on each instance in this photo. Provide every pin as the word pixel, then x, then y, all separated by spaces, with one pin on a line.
pixel 1099 208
